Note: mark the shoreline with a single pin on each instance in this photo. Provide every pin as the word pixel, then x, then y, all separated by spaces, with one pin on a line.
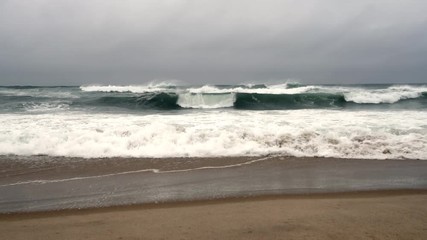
pixel 44 183
pixel 51 166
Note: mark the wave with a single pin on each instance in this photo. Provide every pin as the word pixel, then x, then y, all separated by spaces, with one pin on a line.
pixel 391 94
pixel 247 101
pixel 151 87
pixel 198 100
pixel 166 96
pixel 255 101
pixel 288 101
pixel 211 89
pixel 161 100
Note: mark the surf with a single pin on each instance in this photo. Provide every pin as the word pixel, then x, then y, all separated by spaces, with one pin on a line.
pixel 267 97
pixel 167 96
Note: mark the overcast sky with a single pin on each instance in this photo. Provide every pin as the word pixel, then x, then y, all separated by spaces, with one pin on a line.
pixel 73 42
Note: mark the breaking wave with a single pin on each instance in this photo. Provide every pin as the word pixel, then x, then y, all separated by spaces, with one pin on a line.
pixel 261 97
pixel 166 96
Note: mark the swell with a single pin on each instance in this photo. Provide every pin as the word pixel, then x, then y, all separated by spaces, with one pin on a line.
pixel 247 101
pixel 265 97
pixel 165 101
pixel 249 97
pixel 288 101
pixel 254 101
pixel 243 101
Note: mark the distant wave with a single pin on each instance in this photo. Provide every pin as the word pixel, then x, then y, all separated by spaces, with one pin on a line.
pixel 151 87
pixel 283 96
pixel 159 100
pixel 391 94
pixel 167 96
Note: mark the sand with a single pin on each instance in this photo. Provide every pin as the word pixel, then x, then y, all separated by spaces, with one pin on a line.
pixel 366 215
pixel 45 183
pixel 212 198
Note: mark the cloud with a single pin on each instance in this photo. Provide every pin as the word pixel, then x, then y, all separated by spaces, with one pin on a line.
pixel 75 42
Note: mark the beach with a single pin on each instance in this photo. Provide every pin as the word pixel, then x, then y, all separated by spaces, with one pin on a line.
pixel 363 215
pixel 213 120
pixel 212 198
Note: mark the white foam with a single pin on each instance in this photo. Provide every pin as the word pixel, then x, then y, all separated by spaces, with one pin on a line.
pixel 275 89
pixel 323 133
pixel 198 100
pixel 206 89
pixel 150 87
pixel 278 86
pixel 51 106
pixel 389 95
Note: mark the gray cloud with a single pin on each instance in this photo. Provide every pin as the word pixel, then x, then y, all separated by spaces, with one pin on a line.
pixel 126 42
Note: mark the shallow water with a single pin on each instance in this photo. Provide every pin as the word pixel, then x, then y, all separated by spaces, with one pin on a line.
pixel 49 184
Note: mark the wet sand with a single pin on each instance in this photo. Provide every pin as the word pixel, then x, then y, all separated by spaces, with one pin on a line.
pixel 46 183
pixel 212 198
pixel 400 214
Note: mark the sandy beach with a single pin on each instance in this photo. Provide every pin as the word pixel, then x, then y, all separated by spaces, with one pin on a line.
pixel 365 215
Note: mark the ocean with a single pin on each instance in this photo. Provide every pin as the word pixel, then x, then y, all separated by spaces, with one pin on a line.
pixel 68 147
pixel 166 120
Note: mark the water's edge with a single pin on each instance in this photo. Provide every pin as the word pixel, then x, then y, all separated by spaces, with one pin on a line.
pixel 124 181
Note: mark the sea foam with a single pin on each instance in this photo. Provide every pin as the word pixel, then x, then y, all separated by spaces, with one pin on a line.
pixel 198 100
pixel 150 87
pixel 321 133
pixel 392 94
